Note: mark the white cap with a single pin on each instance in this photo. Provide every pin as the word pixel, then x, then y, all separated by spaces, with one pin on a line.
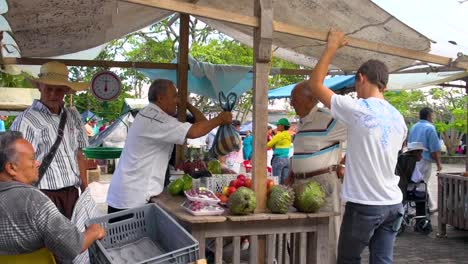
pixel 415 146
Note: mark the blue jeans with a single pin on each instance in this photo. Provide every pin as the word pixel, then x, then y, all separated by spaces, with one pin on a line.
pixel 280 167
pixel 375 226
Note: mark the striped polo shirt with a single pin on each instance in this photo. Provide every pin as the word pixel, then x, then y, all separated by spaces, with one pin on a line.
pixel 317 142
pixel 40 127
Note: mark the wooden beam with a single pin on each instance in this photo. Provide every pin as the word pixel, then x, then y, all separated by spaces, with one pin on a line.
pixel 201 11
pixel 262 55
pixel 182 77
pixel 222 15
pixel 91 63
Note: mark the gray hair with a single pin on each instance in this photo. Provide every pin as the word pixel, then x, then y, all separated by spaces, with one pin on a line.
pixel 158 88
pixel 7 147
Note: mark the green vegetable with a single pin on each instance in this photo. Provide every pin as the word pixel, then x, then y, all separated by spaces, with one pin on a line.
pixel 187 182
pixel 176 187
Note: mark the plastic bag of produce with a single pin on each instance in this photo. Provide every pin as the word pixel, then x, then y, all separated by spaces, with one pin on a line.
pixel 227 138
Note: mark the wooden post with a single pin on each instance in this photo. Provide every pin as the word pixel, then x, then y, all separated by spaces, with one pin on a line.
pixel 262 54
pixel 182 77
pixel 263 9
pixel 466 136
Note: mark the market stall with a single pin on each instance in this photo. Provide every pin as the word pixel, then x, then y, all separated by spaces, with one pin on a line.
pixel 307 235
pixel 254 23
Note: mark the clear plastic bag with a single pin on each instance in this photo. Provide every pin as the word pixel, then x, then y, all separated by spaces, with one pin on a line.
pixel 227 138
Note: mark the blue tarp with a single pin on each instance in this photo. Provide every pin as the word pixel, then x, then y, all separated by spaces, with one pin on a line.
pixel 335 83
pixel 209 79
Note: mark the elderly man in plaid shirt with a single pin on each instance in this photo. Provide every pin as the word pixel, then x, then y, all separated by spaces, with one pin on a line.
pixel 29 221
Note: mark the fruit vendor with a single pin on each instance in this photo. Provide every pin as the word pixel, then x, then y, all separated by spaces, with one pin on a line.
pixel 281 143
pixel 317 151
pixel 141 170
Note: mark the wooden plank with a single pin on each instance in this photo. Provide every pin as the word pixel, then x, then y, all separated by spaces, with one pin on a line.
pixel 270 248
pixel 232 17
pixel 323 241
pixel 303 248
pixel 441 228
pixel 201 11
pixel 91 63
pixel 450 201
pixel 253 241
pixel 461 208
pixel 262 54
pixel 366 45
pixel 287 247
pixel 182 78
pixel 280 249
pixel 219 250
pixel 236 242
pixel 466 209
pixel 312 247
pixel 199 235
pixel 456 198
pixel 445 198
pixel 251 217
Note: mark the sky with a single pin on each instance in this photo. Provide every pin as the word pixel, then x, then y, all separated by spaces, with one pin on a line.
pixel 439 20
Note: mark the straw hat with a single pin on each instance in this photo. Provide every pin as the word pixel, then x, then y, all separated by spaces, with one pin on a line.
pixel 56 73
pixel 415 146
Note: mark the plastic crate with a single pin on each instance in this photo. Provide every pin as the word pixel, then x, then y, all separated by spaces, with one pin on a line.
pixel 218 181
pixel 148 228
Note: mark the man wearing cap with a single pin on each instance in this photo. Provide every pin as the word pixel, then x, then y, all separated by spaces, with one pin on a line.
pixel 40 126
pixel 317 152
pixel 281 143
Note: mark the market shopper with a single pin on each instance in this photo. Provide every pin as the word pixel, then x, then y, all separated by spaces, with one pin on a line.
pixel 29 221
pixel 234 159
pixel 424 132
pixel 63 169
pixel 141 170
pixel 247 147
pixel 376 131
pixel 317 152
pixel 281 144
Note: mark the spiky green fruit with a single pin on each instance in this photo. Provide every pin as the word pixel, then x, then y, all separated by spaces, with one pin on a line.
pixel 309 197
pixel 280 199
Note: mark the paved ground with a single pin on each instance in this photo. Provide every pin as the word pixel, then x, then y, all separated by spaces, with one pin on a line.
pixel 410 247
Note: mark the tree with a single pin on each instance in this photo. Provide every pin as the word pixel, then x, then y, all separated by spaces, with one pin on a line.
pixel 449 108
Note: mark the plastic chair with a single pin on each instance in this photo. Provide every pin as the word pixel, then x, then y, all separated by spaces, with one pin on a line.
pixel 41 256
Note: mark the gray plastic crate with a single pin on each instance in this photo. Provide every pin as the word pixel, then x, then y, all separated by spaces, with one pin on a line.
pixel 172 243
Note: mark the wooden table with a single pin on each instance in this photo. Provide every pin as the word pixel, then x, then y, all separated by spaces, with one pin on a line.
pixel 307 235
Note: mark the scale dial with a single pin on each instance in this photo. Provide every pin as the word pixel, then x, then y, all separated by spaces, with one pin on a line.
pixel 106 86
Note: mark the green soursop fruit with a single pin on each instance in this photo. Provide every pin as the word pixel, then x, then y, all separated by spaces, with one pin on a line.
pixel 280 199
pixel 242 201
pixel 309 197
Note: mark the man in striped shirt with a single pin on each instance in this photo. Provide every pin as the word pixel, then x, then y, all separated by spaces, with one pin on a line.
pixel 317 151
pixel 39 125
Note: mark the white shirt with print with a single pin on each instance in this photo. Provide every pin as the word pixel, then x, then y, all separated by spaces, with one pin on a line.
pixel 376 131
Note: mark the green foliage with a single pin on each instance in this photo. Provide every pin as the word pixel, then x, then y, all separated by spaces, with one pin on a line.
pixel 448 105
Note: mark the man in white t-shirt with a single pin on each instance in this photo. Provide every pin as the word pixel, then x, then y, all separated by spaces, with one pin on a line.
pixel 141 170
pixel 376 131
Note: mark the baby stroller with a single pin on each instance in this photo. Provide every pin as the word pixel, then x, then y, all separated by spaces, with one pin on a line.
pixel 415 192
